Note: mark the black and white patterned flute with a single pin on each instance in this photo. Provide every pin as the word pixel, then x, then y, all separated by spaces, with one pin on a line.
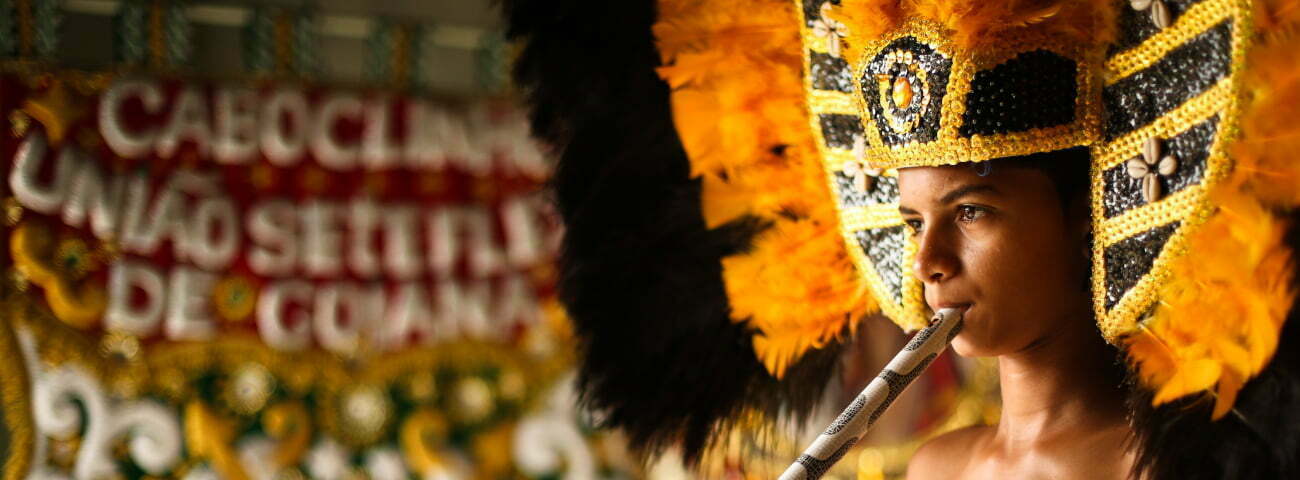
pixel 860 415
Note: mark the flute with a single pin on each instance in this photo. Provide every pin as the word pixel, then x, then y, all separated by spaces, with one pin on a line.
pixel 854 422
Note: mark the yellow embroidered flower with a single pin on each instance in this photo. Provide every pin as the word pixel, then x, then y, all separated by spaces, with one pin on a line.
pixel 863 175
pixel 1150 167
pixel 830 29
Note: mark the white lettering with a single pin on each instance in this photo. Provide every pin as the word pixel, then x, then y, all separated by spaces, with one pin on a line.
pixel 235 126
pixel 189 121
pixel 124 143
pixel 124 312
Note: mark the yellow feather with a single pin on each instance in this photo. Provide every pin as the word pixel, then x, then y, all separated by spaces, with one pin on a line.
pixel 1226 394
pixel 1190 377
pixel 738 103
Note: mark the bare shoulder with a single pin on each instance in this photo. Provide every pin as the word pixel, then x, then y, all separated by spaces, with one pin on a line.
pixel 945 456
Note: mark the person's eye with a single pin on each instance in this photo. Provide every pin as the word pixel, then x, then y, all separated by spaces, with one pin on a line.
pixel 913 226
pixel 970 213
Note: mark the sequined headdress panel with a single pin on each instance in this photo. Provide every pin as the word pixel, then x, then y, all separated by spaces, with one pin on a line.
pixel 1164 93
pixel 901 84
pixel 926 101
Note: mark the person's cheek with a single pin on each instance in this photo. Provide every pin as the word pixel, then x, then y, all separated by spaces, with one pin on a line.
pixel 1008 283
pixel 987 332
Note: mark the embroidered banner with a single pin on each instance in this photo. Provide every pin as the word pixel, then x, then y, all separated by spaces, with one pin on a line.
pixel 258 280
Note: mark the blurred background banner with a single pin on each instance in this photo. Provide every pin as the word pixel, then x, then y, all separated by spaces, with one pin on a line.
pixel 273 240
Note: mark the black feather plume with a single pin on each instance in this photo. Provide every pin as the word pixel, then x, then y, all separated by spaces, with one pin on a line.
pixel 640 274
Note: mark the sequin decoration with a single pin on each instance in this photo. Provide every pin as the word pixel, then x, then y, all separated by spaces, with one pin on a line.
pixel 1188 70
pixel 884 247
pixel 1129 259
pixel 839 130
pixel 906 69
pixel 1135 26
pixel 883 190
pixel 830 73
pixel 1033 90
pixel 1191 148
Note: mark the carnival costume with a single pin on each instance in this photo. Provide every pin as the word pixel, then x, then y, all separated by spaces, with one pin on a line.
pixel 728 181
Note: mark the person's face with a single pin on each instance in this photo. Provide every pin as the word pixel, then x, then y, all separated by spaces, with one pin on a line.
pixel 1000 246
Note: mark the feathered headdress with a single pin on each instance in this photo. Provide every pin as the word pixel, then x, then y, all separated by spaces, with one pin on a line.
pixel 1177 101
pixel 727 176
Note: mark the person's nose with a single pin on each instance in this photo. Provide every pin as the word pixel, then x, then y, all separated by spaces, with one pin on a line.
pixel 936 259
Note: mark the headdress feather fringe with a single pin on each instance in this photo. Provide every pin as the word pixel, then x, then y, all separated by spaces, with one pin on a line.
pixel 738 105
pixel 1221 311
pixel 1258 440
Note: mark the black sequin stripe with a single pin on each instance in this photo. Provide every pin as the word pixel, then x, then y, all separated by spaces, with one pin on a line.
pixel 1129 259
pixel 883 190
pixel 839 129
pixel 1135 26
pixel 1185 72
pixel 1033 90
pixel 884 247
pixel 1191 148
pixel 830 73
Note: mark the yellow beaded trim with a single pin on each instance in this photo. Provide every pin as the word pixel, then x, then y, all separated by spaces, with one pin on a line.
pixel 834 102
pixel 1205 105
pixel 950 148
pixel 870 216
pixel 835 158
pixel 1193 22
pixel 1176 206
pixel 1191 206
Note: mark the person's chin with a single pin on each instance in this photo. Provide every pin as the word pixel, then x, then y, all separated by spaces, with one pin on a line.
pixel 962 346
pixel 966 345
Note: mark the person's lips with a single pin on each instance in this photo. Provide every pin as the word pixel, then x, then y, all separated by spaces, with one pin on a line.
pixel 962 306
